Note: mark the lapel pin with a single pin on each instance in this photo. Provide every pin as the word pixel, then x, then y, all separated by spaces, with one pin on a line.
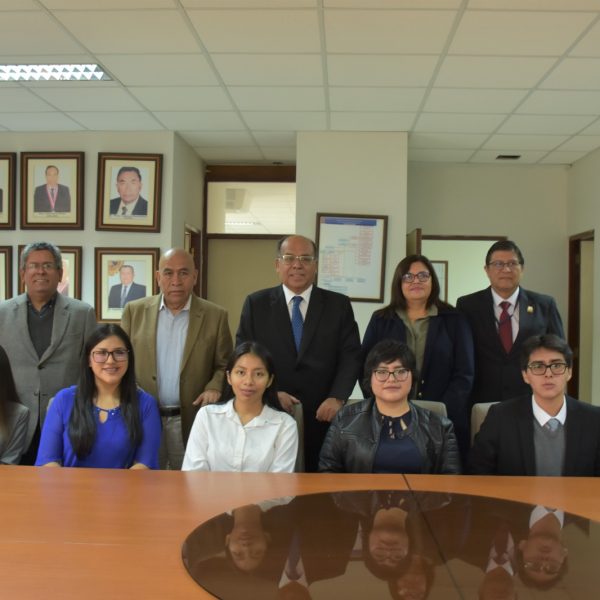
pixel 530 310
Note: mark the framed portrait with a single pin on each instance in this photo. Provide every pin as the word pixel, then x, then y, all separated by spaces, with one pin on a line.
pixel 352 251
pixel 5 272
pixel 8 178
pixel 52 190
pixel 441 270
pixel 70 283
pixel 123 275
pixel 129 192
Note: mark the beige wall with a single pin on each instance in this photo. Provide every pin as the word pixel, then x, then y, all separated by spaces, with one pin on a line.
pixel 525 203
pixel 181 195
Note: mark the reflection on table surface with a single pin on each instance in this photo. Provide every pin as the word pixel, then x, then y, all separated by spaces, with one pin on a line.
pixel 402 544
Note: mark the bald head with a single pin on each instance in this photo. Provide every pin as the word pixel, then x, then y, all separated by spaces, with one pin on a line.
pixel 176 277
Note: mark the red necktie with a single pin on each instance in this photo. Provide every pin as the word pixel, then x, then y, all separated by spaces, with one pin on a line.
pixel 505 327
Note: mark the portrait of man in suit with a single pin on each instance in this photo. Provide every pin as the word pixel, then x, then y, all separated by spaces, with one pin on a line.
pixel 52 196
pixel 126 291
pixel 130 202
pixel 312 336
pixel 502 317
pixel 1 200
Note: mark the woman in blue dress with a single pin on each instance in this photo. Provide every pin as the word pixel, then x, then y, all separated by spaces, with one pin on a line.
pixel 105 421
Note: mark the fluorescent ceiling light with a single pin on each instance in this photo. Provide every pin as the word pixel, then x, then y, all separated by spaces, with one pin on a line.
pixel 52 73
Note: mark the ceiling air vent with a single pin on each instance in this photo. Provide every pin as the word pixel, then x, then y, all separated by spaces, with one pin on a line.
pixel 508 157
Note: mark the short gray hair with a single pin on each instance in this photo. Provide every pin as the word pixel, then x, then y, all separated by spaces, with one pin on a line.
pixel 35 247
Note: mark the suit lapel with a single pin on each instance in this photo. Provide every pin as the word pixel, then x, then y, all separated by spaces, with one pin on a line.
pixel 432 335
pixel 574 434
pixel 194 328
pixel 524 425
pixel 151 324
pixel 59 325
pixel 21 322
pixel 313 317
pixel 526 316
pixel 489 321
pixel 280 318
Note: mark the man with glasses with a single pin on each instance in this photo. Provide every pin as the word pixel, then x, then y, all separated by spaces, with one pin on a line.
pixel 502 317
pixel 546 433
pixel 312 336
pixel 43 333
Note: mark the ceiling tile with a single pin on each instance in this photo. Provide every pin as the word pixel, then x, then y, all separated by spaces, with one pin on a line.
pixel 117 121
pixel 232 154
pixel 458 123
pixel 277 153
pixel 299 121
pixel 276 138
pixel 593 129
pixel 43 121
pixel 488 156
pixel 249 3
pixel 20 99
pixel 217 138
pixel 387 32
pixel 114 32
pixel 536 4
pixel 95 98
pixel 518 33
pixel 492 71
pixel 581 143
pixel 265 69
pixel 375 99
pixel 200 121
pixel 278 98
pixel 456 141
pixel 33 33
pixel 473 100
pixel 590 44
pixel 257 30
pixel 106 4
pixel 168 69
pixel 562 158
pixel 562 103
pixel 512 144
pixel 23 5
pixel 420 4
pixel 371 121
pixel 575 73
pixel 553 124
pixel 174 98
pixel 412 71
pixel 432 155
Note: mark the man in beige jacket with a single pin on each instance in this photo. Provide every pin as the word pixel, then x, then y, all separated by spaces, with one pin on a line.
pixel 182 344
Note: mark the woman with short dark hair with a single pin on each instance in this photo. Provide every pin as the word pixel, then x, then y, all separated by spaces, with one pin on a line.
pixel 105 421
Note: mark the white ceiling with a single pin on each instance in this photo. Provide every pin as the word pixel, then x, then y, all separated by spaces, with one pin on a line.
pixel 237 79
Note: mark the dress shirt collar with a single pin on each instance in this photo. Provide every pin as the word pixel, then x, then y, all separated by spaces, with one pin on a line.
pixel 46 306
pixel 267 415
pixel 289 294
pixel 129 207
pixel 542 417
pixel 187 306
pixel 539 512
pixel 512 298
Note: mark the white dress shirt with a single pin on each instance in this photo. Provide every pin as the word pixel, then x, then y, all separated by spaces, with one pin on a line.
pixel 542 417
pixel 219 442
pixel 513 310
pixel 289 295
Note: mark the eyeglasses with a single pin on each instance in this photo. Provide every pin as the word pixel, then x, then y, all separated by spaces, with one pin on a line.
pixel 500 265
pixel 400 374
pixel 542 567
pixel 119 355
pixel 47 266
pixel 422 276
pixel 290 259
pixel 540 368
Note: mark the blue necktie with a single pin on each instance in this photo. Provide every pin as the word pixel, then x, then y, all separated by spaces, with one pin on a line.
pixel 297 321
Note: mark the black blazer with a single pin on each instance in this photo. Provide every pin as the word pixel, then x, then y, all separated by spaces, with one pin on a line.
pixel 498 374
pixel 504 444
pixel 141 208
pixel 41 203
pixel 328 362
pixel 135 292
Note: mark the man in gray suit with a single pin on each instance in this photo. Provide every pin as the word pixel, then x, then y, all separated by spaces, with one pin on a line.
pixel 43 333
pixel 53 196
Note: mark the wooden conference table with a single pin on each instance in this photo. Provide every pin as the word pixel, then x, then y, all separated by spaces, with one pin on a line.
pixel 73 533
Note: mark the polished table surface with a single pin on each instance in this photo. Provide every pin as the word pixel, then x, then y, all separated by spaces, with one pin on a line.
pixel 72 533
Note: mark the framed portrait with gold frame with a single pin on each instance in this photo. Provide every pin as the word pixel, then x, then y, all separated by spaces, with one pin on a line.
pixel 6 253
pixel 8 178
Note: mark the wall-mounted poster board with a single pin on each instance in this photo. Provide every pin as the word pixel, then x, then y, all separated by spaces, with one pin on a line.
pixel 352 255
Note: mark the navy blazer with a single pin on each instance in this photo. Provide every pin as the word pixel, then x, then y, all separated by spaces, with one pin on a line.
pixel 328 362
pixel 498 374
pixel 504 444
pixel 448 363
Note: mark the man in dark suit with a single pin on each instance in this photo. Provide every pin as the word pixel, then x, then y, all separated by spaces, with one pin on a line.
pixel 312 336
pixel 544 434
pixel 502 317
pixel 126 291
pixel 43 333
pixel 52 196
pixel 129 202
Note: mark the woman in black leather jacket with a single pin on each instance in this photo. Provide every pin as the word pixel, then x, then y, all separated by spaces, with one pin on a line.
pixel 387 433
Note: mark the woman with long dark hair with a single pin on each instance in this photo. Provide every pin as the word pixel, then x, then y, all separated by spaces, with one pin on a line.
pixel 105 421
pixel 438 335
pixel 14 416
pixel 249 430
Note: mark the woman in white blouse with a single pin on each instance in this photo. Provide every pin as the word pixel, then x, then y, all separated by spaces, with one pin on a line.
pixel 249 432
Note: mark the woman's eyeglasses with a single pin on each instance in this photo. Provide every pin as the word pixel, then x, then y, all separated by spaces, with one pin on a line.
pixel 119 355
pixel 421 276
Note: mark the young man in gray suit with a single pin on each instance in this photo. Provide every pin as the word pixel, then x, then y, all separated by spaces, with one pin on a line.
pixel 43 333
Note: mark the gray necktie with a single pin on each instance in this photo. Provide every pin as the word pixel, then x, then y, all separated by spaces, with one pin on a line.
pixel 123 295
pixel 297 321
pixel 552 425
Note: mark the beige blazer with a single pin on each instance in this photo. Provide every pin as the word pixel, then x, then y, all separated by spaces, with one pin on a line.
pixel 207 349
